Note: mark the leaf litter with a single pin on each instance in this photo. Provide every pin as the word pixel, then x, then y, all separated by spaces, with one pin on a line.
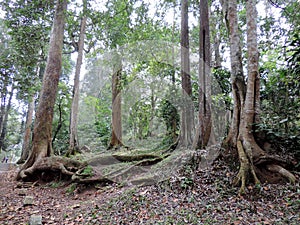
pixel 203 197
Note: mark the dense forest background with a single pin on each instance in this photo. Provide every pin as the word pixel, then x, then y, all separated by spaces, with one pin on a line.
pixel 133 49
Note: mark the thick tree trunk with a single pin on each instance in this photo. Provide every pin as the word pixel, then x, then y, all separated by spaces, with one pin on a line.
pixel 247 146
pixel 237 75
pixel 27 133
pixel 187 117
pixel 41 145
pixel 73 142
pixel 204 129
pixel 246 103
pixel 116 136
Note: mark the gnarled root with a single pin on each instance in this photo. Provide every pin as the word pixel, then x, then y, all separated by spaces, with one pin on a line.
pixel 54 163
pixel 245 166
pixel 283 172
pixel 254 160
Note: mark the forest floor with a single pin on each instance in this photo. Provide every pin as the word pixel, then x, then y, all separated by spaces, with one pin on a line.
pixel 205 198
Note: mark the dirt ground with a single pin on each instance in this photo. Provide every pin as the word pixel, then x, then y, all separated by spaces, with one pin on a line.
pixel 206 199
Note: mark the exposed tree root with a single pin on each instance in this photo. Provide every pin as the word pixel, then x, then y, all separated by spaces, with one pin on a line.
pixel 245 167
pixel 172 147
pixel 266 158
pixel 94 177
pixel 54 163
pixel 106 169
pixel 283 172
pixel 132 158
pixel 251 157
pixel 116 175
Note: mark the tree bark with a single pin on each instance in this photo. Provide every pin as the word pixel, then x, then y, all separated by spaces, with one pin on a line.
pixel 246 103
pixel 237 74
pixel 116 136
pixel 27 133
pixel 41 145
pixel 187 115
pixel 247 146
pixel 216 36
pixel 204 129
pixel 73 141
pixel 174 118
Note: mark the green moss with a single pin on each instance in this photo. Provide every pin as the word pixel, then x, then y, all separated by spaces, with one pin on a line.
pixel 88 171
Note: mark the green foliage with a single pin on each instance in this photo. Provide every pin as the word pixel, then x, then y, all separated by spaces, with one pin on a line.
pixel 170 116
pixel 103 129
pixel 88 171
pixel 187 179
pixel 94 126
pixel 29 28
pixel 281 109
pixel 221 87
pixel 7 70
pixel 60 122
pixel 103 121
pixel 139 118
pixel 14 131
pixel 294 59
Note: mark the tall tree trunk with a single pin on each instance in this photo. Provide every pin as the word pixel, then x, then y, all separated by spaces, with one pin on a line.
pixel 41 144
pixel 204 129
pixel 73 141
pixel 245 104
pixel 246 144
pixel 174 119
pixel 27 133
pixel 3 103
pixel 217 37
pixel 5 121
pixel 187 117
pixel 116 136
pixel 237 75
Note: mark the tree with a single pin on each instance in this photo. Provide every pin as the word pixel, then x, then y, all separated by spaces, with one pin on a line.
pixel 28 37
pixel 118 34
pixel 187 116
pixel 116 135
pixel 73 141
pixel 27 133
pixel 204 129
pixel 246 103
pixel 41 144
